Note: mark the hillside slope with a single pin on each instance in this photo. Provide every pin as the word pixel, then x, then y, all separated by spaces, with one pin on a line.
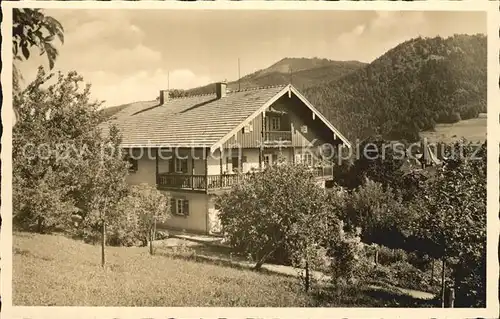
pixel 305 73
pixel 410 88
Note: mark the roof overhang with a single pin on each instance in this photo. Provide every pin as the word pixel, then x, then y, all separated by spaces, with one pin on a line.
pixel 289 89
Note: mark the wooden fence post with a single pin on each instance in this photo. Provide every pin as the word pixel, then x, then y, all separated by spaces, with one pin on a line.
pixel 451 297
pixel 443 290
pixel 432 271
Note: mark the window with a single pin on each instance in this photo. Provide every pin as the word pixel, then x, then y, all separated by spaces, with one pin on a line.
pixel 275 123
pixel 308 159
pixel 179 206
pixel 303 129
pixel 304 158
pixel 235 161
pixel 181 165
pixel 247 128
pixel 133 164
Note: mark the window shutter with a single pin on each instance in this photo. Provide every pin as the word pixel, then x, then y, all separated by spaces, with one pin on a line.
pixel 184 164
pixel 171 167
pixel 275 158
pixel 173 206
pixel 186 207
pixel 244 159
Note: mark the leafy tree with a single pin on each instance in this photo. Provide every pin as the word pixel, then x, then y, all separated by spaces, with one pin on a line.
pixel 32 28
pixel 142 209
pixel 102 185
pixel 379 160
pixel 453 221
pixel 63 165
pixel 380 214
pixel 55 121
pixel 281 208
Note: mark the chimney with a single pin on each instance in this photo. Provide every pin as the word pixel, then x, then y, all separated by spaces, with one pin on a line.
pixel 220 89
pixel 164 95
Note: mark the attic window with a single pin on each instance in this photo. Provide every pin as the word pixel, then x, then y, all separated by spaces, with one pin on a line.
pixel 247 128
pixel 275 123
pixel 303 129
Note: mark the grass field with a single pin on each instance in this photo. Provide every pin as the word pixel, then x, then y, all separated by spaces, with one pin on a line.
pixel 52 270
pixel 474 130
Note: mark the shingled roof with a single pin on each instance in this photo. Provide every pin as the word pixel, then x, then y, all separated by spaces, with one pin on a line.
pixel 196 121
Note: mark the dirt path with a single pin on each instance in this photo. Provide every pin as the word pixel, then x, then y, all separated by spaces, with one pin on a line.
pixel 277 269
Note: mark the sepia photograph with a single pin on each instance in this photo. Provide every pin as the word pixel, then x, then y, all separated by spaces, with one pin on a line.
pixel 248 158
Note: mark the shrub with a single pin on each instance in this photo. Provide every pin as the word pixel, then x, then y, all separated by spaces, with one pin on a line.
pixel 387 256
pixel 348 263
pixel 451 117
pixel 379 212
pixel 408 276
pixel 139 211
pixel 134 220
pixel 161 234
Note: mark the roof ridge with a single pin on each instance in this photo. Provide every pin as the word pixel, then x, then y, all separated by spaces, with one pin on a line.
pixel 189 96
pixel 260 88
pixel 231 91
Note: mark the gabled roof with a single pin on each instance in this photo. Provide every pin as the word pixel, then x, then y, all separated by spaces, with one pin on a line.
pixel 198 121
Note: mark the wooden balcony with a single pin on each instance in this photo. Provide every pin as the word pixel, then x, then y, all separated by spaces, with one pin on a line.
pixel 200 182
pixel 277 136
pixel 205 183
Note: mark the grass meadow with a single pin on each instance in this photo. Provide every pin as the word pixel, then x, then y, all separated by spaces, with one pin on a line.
pixel 53 270
pixel 473 130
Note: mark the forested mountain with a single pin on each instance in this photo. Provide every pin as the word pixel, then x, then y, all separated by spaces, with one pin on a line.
pixel 302 72
pixel 410 88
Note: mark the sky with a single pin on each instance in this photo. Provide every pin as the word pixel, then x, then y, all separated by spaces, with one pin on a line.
pixel 129 55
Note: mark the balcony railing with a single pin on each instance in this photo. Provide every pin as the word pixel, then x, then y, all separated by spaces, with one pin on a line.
pixel 194 182
pixel 277 136
pixel 224 181
pixel 200 182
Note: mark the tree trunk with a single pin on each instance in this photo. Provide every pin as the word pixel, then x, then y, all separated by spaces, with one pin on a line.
pixel 258 265
pixel 432 272
pixel 451 297
pixel 307 279
pixel 151 241
pixel 103 243
pixel 443 283
pixel 40 225
pixel 260 261
pixel 376 258
pixel 154 229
